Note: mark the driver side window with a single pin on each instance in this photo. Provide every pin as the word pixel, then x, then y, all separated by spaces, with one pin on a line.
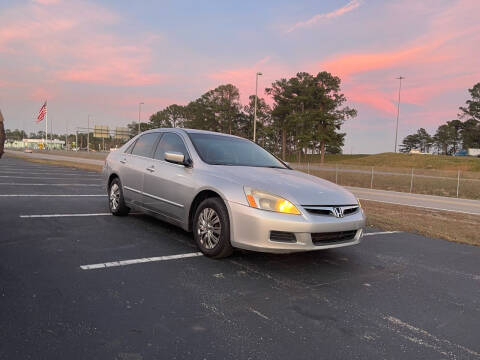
pixel 170 142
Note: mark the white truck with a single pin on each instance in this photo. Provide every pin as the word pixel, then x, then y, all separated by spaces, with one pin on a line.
pixel 474 152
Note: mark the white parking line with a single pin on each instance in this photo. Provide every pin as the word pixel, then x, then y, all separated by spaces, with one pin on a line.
pixel 381 233
pixel 30 184
pixel 62 215
pixel 47 195
pixel 139 261
pixel 44 178
pixel 12 173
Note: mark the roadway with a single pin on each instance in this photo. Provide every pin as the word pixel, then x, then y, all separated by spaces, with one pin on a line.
pixel 77 283
pixel 418 200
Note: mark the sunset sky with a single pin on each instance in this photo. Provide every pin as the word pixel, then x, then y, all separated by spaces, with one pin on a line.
pixel 104 57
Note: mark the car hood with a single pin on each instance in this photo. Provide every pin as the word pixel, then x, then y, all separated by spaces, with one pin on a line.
pixel 295 186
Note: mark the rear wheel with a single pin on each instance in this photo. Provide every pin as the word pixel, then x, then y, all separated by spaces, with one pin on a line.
pixel 116 201
pixel 212 228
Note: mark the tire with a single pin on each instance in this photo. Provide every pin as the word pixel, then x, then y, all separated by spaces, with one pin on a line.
pixel 116 202
pixel 211 228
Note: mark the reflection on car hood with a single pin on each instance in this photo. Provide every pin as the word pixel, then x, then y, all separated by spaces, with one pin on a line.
pixel 293 185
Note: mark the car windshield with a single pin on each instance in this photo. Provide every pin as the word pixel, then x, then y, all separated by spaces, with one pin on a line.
pixel 232 151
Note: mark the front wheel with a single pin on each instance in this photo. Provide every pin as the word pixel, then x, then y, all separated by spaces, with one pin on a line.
pixel 212 228
pixel 116 201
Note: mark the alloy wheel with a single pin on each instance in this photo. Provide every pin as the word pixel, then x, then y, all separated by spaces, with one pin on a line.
pixel 114 197
pixel 209 228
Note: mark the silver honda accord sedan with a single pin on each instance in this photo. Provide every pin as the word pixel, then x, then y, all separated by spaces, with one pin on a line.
pixel 230 193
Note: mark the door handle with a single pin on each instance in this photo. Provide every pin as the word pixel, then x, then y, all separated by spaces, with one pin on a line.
pixel 123 161
pixel 151 168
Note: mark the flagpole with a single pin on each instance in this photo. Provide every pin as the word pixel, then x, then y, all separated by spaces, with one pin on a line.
pixel 46 125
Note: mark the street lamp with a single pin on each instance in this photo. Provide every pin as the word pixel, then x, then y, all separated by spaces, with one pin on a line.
pixel 400 78
pixel 255 110
pixel 139 109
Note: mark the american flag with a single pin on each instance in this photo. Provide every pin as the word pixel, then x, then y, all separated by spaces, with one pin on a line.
pixel 42 113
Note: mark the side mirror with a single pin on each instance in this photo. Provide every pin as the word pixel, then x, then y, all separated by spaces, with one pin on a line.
pixel 176 158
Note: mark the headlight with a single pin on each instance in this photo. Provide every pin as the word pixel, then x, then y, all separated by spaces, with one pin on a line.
pixel 261 200
pixel 359 203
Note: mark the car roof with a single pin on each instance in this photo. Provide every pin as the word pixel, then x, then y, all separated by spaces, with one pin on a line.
pixel 192 131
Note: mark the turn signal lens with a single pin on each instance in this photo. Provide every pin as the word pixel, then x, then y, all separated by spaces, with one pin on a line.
pixel 251 201
pixel 285 206
pixel 265 201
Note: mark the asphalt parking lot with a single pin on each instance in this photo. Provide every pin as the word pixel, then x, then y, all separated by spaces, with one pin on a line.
pixel 77 283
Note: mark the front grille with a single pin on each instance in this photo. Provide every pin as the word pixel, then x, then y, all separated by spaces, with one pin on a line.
pixel 332 237
pixel 329 210
pixel 352 210
pixel 319 211
pixel 282 236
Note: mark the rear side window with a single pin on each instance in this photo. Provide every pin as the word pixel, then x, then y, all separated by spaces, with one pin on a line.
pixel 170 143
pixel 130 148
pixel 144 145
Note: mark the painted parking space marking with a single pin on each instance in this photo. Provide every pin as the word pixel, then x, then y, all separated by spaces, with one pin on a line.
pixel 62 215
pixel 422 337
pixel 53 195
pixel 45 178
pixel 139 261
pixel 43 184
pixel 381 233
pixel 3 172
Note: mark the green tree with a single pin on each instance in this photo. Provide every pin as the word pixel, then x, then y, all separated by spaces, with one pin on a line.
pixel 263 120
pixel 470 134
pixel 456 138
pixel 282 95
pixel 425 140
pixel 226 99
pixel 410 142
pixel 444 138
pixel 170 117
pixel 472 108
pixel 311 109
pixel 15 134
pixel 133 128
pixel 201 113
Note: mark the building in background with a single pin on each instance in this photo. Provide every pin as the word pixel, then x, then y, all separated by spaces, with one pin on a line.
pixel 35 144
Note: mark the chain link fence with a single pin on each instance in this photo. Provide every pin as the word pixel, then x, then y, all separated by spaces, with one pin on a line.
pixel 460 184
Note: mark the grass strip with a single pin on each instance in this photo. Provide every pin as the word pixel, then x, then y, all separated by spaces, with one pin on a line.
pixel 457 227
pixel 70 164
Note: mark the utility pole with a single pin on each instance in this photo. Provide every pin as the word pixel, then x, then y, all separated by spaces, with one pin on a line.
pixel 66 134
pixel 255 110
pixel 400 78
pixel 88 134
pixel 46 125
pixel 139 109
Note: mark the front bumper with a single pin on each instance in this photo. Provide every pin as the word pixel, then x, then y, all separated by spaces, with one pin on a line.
pixel 250 229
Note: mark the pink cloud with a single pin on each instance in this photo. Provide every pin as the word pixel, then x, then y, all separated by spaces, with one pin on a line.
pixel 433 64
pixel 74 41
pixel 352 5
pixel 372 98
pixel 244 77
pixel 46 2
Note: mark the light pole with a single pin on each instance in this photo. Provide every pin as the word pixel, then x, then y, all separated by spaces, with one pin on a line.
pixel 400 78
pixel 139 109
pixel 88 134
pixel 255 110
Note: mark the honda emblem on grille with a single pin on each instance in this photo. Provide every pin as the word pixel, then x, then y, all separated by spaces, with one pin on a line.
pixel 337 212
